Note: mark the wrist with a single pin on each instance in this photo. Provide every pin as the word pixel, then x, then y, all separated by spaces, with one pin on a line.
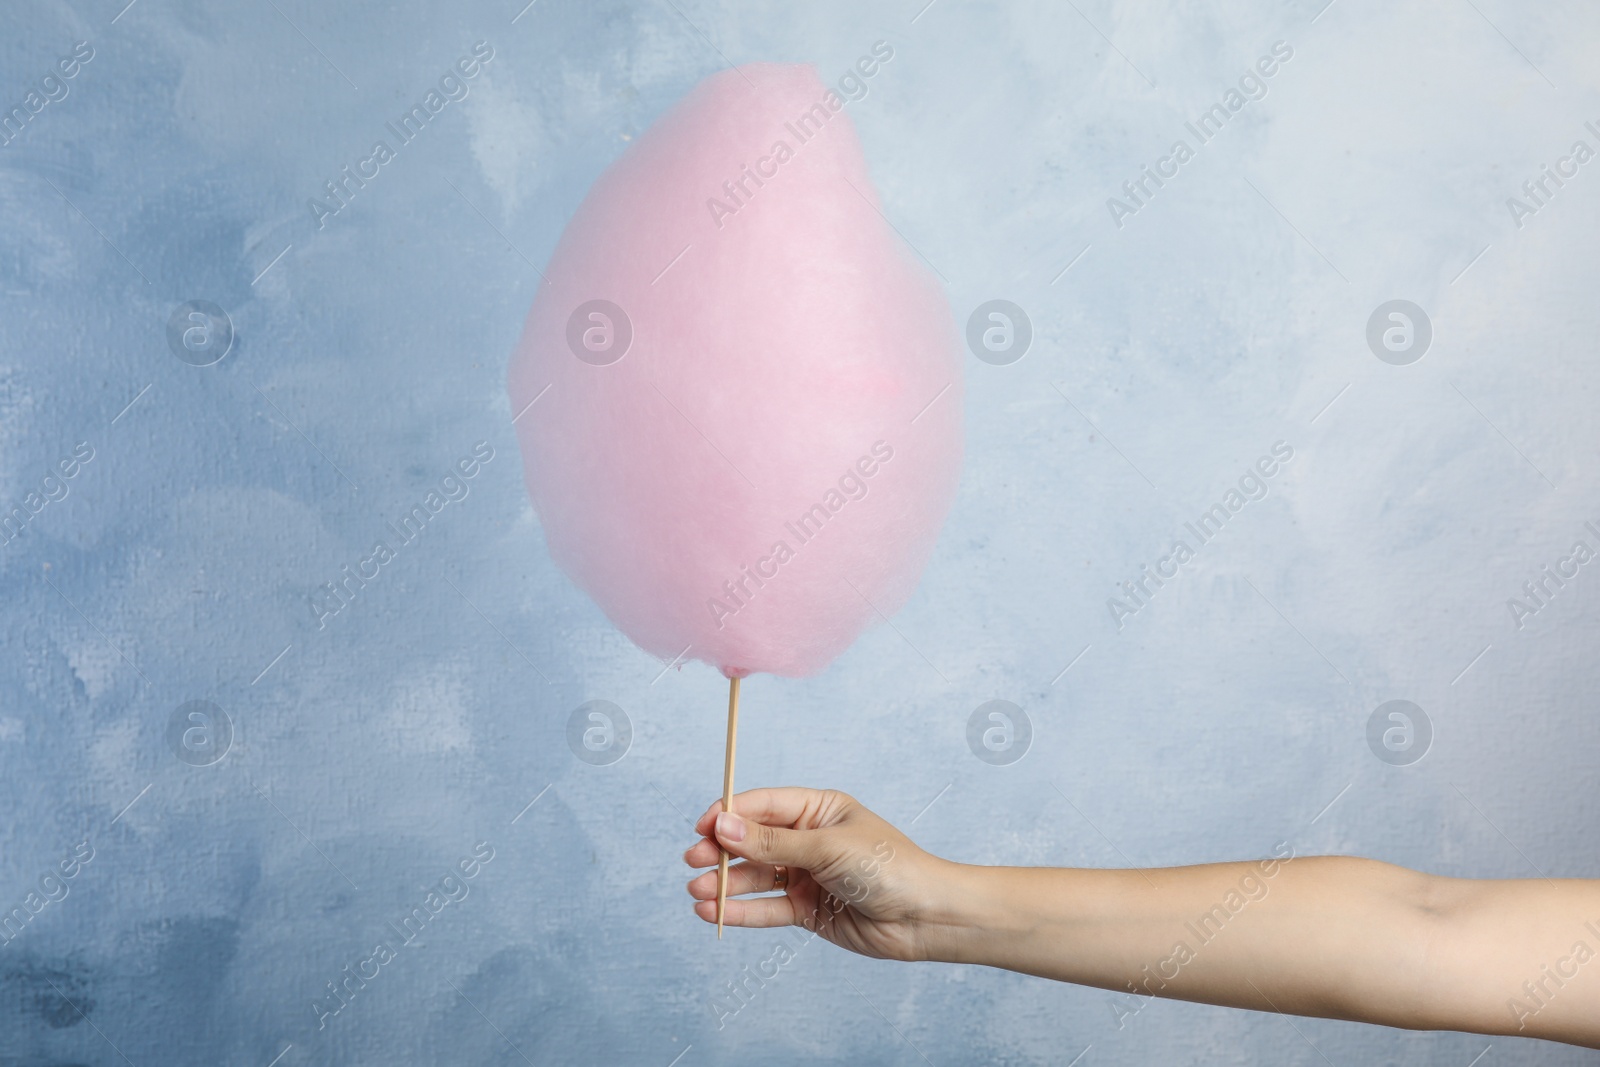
pixel 964 922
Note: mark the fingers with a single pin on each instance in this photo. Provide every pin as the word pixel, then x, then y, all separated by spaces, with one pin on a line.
pixel 703 853
pixel 742 878
pixel 763 844
pixel 757 912
pixel 789 806
pixel 811 849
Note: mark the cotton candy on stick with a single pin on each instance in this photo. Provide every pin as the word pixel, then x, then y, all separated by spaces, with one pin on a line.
pixel 748 421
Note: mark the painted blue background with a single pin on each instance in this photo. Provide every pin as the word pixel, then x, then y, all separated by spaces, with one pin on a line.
pixel 370 756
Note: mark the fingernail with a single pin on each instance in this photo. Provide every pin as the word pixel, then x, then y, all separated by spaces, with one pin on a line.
pixel 730 827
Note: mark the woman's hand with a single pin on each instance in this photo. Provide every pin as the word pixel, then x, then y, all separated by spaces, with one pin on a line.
pixel 1330 936
pixel 853 878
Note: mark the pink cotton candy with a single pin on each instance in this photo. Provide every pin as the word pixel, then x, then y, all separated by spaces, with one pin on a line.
pixel 764 471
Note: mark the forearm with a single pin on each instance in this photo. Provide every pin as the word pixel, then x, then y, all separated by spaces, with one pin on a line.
pixel 1229 933
pixel 1327 936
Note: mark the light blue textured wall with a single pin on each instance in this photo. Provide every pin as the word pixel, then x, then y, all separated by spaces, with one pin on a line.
pixel 372 755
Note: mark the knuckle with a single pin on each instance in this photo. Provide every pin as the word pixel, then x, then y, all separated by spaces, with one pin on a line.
pixel 843 803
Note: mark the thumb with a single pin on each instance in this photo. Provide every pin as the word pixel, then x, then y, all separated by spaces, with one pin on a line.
pixel 810 849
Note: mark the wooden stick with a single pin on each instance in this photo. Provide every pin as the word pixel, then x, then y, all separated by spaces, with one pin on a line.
pixel 727 795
